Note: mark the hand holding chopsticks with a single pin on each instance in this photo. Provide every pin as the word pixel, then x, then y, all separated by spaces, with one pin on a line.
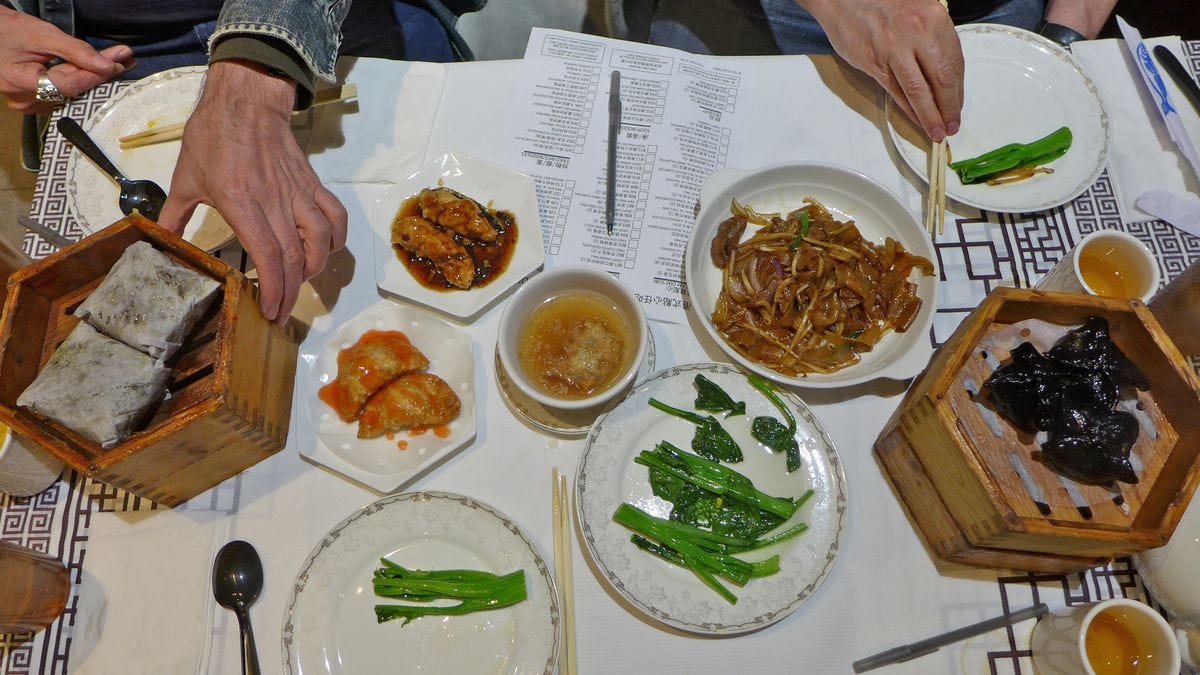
pixel 172 132
pixel 562 571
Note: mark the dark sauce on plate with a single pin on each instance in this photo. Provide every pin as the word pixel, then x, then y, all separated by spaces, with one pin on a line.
pixel 490 259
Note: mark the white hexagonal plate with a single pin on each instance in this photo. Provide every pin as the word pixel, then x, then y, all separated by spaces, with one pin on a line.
pixel 379 462
pixel 490 184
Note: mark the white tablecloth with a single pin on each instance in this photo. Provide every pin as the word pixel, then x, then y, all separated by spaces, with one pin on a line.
pixel 144 604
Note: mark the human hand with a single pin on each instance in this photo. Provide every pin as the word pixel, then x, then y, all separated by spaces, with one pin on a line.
pixel 239 156
pixel 28 44
pixel 907 46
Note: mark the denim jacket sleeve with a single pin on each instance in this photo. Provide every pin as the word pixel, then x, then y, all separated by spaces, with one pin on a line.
pixel 311 27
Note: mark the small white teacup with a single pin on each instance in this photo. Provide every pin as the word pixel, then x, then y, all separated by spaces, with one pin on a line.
pixel 1099 637
pixel 554 284
pixel 1111 263
pixel 25 468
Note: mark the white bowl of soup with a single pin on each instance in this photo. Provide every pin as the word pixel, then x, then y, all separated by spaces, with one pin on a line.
pixel 572 337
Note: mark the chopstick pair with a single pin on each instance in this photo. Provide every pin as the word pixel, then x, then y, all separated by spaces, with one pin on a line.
pixel 562 570
pixel 171 132
pixel 935 209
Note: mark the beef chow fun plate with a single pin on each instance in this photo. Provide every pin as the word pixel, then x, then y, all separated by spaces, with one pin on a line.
pixel 812 275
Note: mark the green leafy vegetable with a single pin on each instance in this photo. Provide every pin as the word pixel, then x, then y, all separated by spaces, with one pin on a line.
pixel 716 512
pixel 711 439
pixel 477 591
pixel 770 431
pixel 689 471
pixel 804 225
pixel 1013 156
pixel 712 398
pixel 708 555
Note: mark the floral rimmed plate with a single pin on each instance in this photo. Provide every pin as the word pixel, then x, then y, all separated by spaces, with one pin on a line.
pixel 158 100
pixel 329 620
pixel 607 477
pixel 1018 86
pixel 380 462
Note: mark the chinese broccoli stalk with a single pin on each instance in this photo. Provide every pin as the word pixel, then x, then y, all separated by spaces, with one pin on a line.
pixel 476 590
pixel 706 554
pixel 770 431
pixel 711 439
pixel 712 477
pixel 1013 156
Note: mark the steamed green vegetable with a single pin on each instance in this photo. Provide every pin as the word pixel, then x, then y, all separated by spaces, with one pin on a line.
pixel 770 431
pixel 1013 156
pixel 709 476
pixel 716 512
pixel 712 398
pixel 475 589
pixel 711 439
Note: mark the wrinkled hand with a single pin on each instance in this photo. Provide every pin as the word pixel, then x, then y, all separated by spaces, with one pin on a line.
pixel 28 44
pixel 907 46
pixel 240 157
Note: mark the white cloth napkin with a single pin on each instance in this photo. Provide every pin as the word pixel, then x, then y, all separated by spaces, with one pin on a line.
pixel 1142 156
pixel 136 560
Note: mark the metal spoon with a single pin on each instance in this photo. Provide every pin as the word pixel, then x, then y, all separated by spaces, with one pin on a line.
pixel 144 196
pixel 237 580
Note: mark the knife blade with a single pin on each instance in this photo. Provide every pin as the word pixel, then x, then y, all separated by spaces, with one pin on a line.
pixel 1180 74
pixel 57 240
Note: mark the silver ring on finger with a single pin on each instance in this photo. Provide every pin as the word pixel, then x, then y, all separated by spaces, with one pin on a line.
pixel 47 91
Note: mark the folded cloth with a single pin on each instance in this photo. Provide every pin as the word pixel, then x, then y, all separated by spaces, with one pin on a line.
pixel 1142 156
pixel 146 594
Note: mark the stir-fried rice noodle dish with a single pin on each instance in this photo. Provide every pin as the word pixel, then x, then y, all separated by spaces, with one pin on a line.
pixel 807 293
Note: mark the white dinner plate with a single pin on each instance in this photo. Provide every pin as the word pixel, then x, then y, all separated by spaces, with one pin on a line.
pixel 848 195
pixel 489 184
pixel 158 100
pixel 379 462
pixel 1018 87
pixel 607 477
pixel 329 621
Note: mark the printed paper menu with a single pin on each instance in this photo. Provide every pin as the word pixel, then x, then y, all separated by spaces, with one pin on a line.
pixel 678 113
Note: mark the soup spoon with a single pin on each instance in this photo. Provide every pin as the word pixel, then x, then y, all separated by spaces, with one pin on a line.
pixel 237 581
pixel 143 196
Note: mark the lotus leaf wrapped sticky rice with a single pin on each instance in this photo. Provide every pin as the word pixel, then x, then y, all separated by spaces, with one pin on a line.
pixel 96 386
pixel 148 301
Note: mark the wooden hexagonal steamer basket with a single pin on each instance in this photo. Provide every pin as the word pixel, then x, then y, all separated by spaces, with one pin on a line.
pixel 230 388
pixel 971 485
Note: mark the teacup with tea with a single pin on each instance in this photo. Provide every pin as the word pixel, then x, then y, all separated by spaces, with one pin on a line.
pixel 1113 637
pixel 1110 263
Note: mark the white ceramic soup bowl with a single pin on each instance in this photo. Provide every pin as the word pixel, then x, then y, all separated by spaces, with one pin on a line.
pixel 552 283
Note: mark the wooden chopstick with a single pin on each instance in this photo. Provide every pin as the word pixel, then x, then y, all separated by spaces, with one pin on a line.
pixel 171 132
pixel 562 570
pixel 935 206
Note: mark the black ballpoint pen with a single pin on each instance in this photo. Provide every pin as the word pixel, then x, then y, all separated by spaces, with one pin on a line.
pixel 614 129
pixel 931 645
pixel 1180 74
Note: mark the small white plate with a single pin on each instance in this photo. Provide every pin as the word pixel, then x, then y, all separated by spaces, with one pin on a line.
pixel 607 477
pixel 848 195
pixel 489 184
pixel 329 621
pixel 379 462
pixel 160 99
pixel 1018 87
